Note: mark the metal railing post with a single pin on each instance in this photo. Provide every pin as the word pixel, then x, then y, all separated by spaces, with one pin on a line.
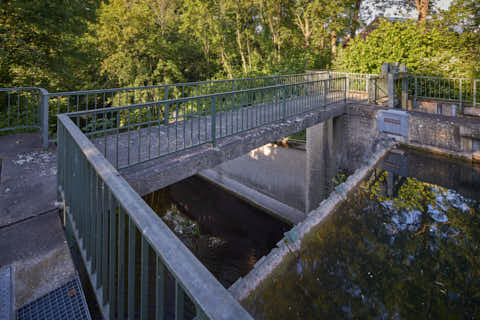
pixel 404 91
pixel 415 94
pixel 345 93
pixel 368 88
pixel 43 110
pixel 214 119
pixel 347 84
pixel 325 93
pixel 474 93
pixel 461 98
pixel 284 104
pixel 391 90
pixel 167 106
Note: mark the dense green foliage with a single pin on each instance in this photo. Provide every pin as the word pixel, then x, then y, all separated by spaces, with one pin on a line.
pixel 449 45
pixel 72 45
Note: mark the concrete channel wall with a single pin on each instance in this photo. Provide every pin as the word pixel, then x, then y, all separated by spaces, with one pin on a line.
pixel 366 142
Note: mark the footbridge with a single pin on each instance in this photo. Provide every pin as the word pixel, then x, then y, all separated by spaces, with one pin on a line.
pixel 108 157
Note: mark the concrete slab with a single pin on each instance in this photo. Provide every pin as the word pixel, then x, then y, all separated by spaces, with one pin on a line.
pixel 11 145
pixel 272 206
pixel 38 250
pixel 27 184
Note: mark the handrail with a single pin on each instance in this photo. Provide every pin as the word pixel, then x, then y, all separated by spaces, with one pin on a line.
pixel 186 99
pixel 213 300
pixel 132 134
pixel 93 91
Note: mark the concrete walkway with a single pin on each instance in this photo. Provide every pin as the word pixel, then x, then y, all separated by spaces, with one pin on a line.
pixel 31 232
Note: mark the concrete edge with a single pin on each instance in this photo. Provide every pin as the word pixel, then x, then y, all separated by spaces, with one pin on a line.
pixel 243 287
pixel 272 206
pixel 464 156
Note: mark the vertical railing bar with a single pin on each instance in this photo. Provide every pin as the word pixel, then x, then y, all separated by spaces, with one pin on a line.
pixel 149 119
pixel 179 301
pixel 131 268
pixel 144 279
pixel 121 264
pixel 105 215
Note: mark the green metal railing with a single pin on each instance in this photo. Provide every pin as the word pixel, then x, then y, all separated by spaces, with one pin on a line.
pixel 461 90
pixel 128 135
pixel 361 87
pixel 130 255
pixel 19 109
pixel 66 102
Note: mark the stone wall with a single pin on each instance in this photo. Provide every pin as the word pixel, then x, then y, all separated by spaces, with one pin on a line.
pixel 360 132
pixel 457 134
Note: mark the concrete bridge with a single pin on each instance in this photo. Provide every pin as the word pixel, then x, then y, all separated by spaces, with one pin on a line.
pixel 103 153
pixel 109 157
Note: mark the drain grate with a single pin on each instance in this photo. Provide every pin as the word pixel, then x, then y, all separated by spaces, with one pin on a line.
pixel 66 302
pixel 6 293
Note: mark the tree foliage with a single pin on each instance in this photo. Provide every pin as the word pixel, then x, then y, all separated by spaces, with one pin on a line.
pixel 68 45
pixel 41 42
pixel 430 49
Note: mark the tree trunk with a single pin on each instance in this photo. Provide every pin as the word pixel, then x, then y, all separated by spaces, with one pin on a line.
pixel 225 63
pixel 356 12
pixel 422 8
pixel 305 28
pixel 240 47
pixel 334 43
pixel 249 52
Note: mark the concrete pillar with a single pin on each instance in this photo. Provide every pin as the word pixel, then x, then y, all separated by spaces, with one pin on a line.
pixel 324 146
pixel 391 90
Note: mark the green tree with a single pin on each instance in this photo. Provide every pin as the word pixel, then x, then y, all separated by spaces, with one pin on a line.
pixel 429 50
pixel 141 44
pixel 42 43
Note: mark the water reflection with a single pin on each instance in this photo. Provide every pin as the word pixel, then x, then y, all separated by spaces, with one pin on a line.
pixel 225 233
pixel 397 248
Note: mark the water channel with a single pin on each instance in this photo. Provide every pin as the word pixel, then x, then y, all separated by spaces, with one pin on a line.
pixel 405 245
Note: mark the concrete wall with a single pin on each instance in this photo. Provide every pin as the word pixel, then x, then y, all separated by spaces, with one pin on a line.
pixel 273 170
pixel 448 134
pixel 457 134
pixel 360 132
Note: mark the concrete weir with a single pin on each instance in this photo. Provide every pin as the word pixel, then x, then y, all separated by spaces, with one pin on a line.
pixel 292 240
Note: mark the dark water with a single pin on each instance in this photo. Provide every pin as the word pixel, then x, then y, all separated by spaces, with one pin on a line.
pixel 225 233
pixel 405 245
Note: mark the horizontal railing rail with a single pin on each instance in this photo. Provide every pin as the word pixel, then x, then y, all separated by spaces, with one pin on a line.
pixel 129 135
pixel 137 267
pixel 66 102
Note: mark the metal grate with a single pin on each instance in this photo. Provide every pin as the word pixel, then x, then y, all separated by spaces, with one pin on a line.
pixel 66 302
pixel 6 293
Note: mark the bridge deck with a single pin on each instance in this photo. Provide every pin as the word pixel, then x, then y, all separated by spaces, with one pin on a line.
pixel 139 143
pixel 156 173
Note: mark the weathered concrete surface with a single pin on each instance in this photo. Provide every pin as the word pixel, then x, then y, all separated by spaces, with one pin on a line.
pixel 360 123
pixel 31 234
pixel 291 243
pixel 323 148
pixel 274 207
pixel 277 172
pixel 450 133
pixel 27 178
pixel 156 174
pixel 37 248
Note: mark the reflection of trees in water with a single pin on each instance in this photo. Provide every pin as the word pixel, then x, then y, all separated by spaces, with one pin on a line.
pixel 415 254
